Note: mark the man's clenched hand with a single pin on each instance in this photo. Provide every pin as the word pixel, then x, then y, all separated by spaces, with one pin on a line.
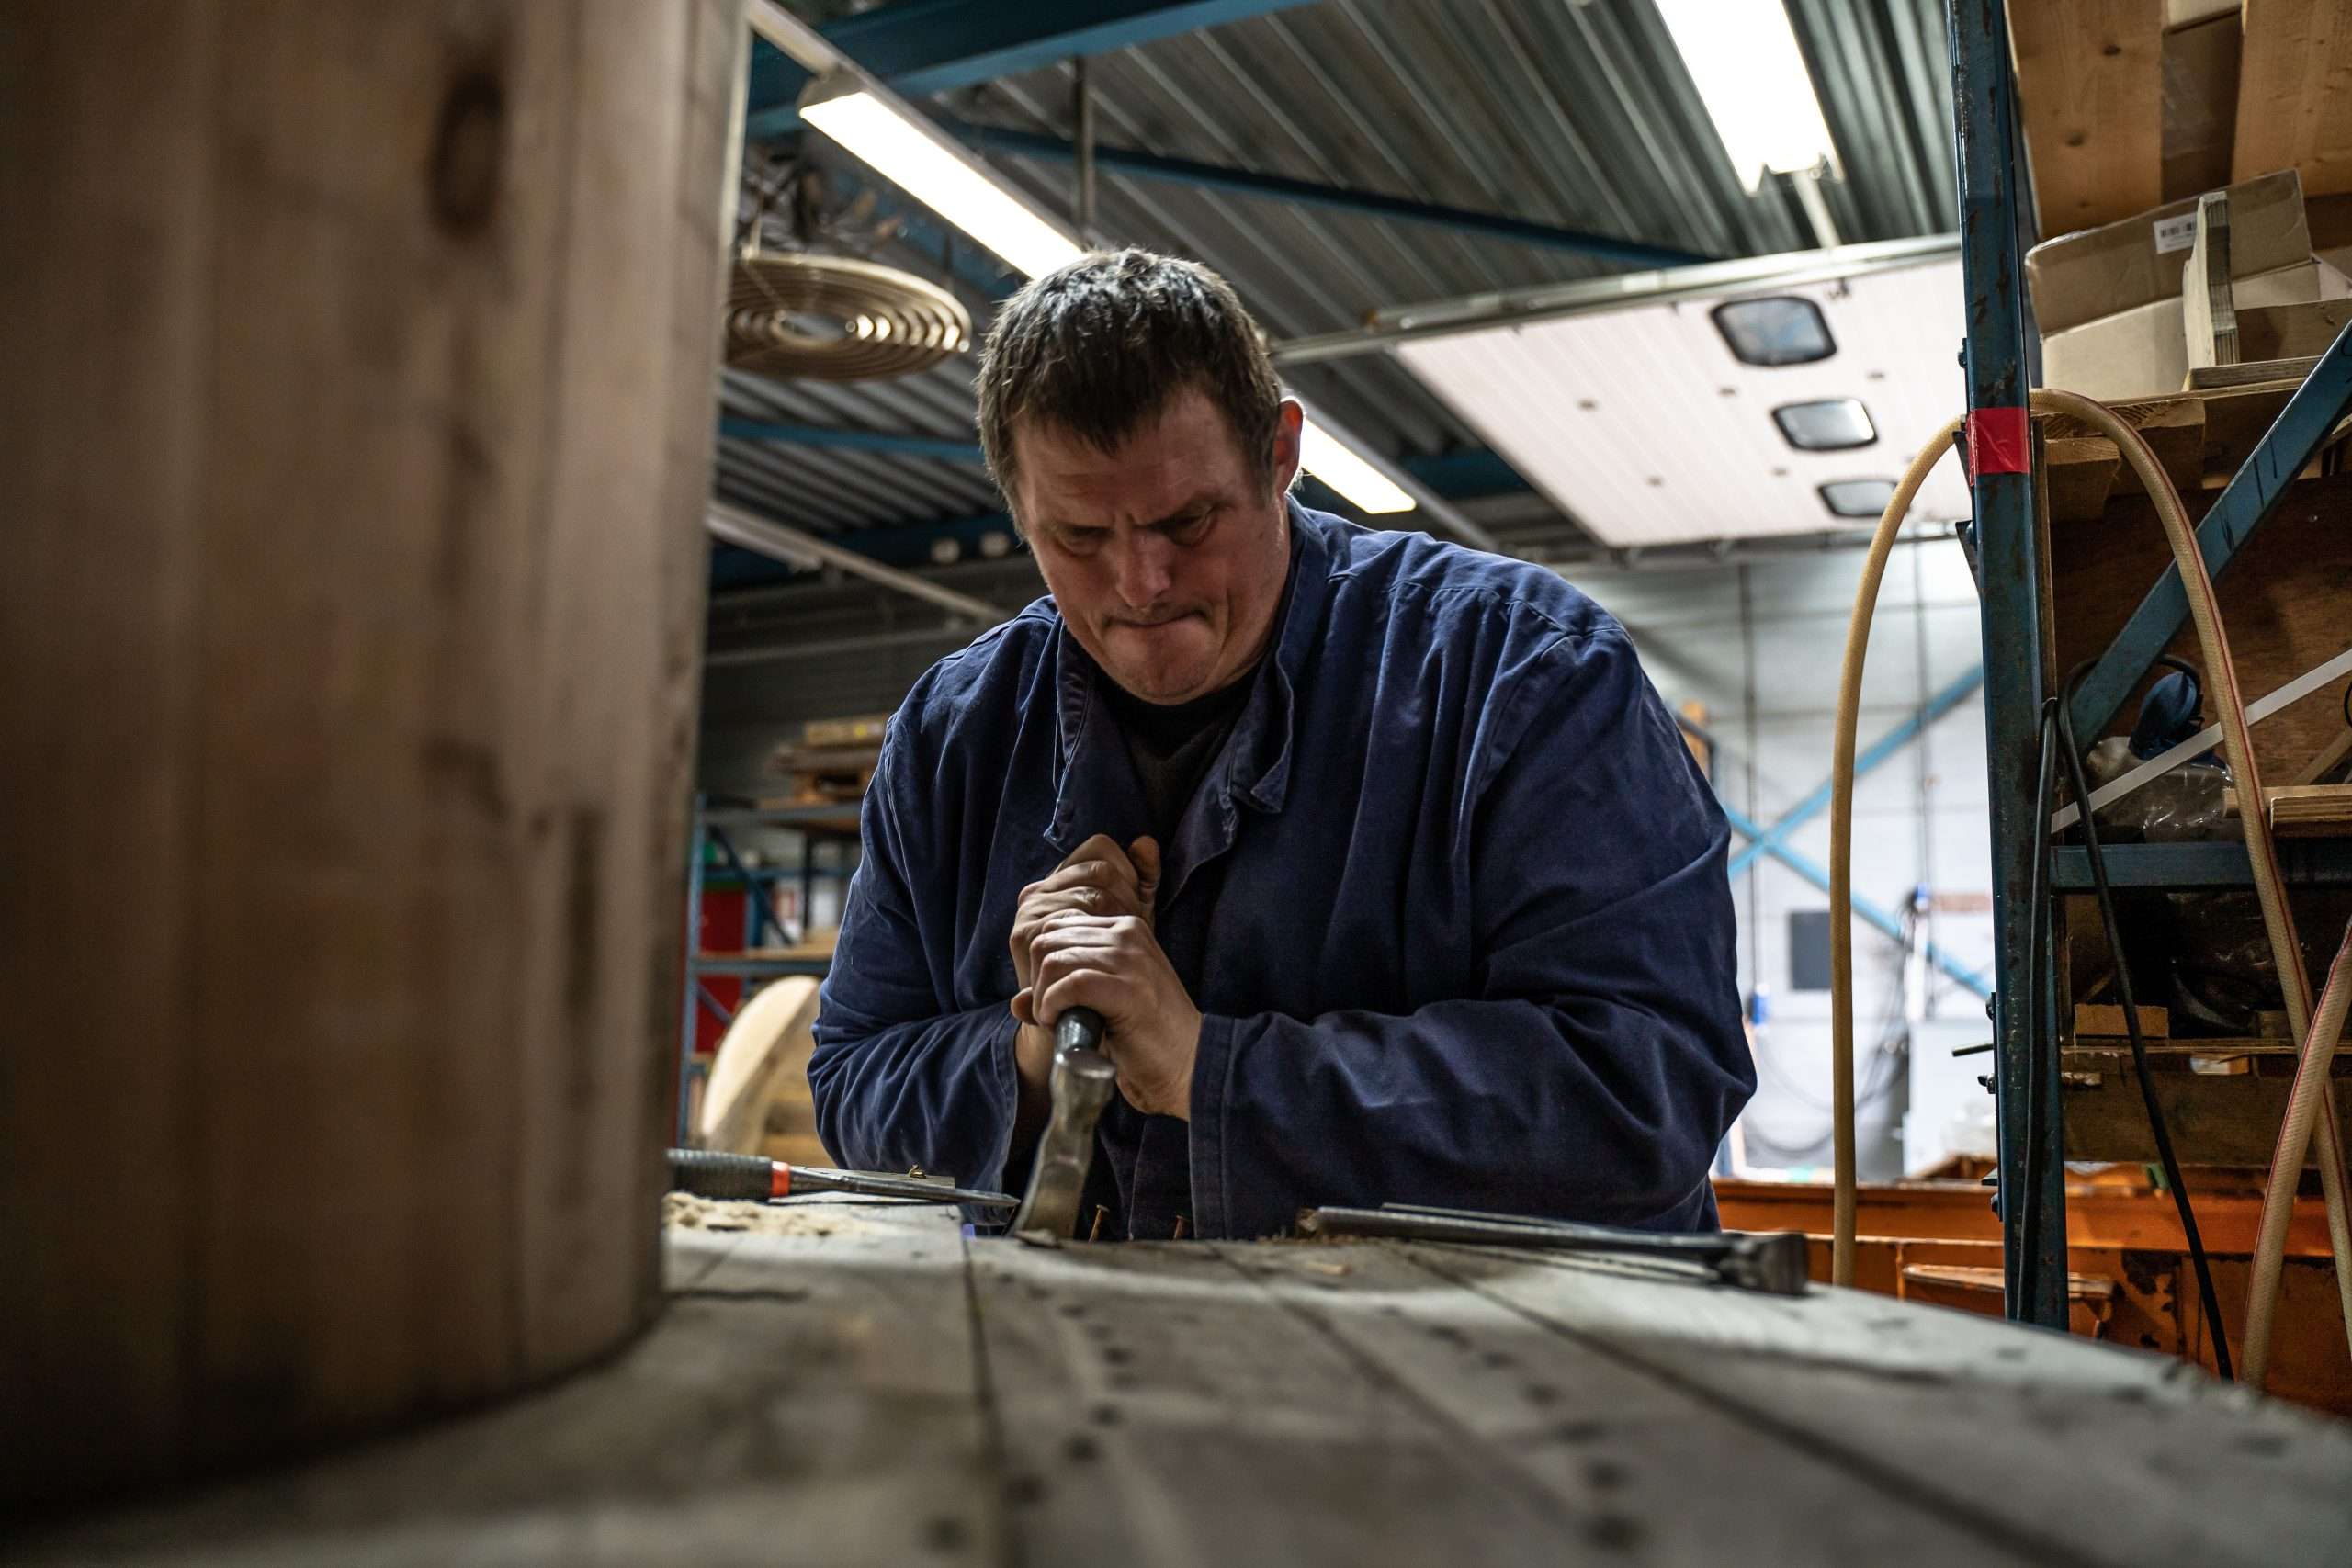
pixel 1098 878
pixel 1114 965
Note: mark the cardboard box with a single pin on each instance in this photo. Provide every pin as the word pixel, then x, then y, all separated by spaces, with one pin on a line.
pixel 2143 351
pixel 2200 67
pixel 2137 260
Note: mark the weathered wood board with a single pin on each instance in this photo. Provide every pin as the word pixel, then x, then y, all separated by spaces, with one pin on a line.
pixel 870 1386
pixel 357 400
pixel 2091 90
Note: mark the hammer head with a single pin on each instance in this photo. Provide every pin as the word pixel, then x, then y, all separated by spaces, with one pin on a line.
pixel 1081 1081
pixel 1773 1261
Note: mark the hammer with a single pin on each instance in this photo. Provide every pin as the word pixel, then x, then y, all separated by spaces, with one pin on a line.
pixel 1082 1082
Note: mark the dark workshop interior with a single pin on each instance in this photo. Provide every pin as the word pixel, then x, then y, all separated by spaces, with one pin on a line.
pixel 1309 782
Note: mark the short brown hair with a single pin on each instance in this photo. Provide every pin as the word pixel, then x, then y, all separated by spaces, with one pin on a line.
pixel 1098 348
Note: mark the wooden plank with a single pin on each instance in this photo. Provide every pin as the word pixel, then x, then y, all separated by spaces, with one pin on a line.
pixel 803 1399
pixel 2282 601
pixel 2137 1218
pixel 2084 469
pixel 1153 1405
pixel 2229 1119
pixel 758 1059
pixel 2090 88
pixel 2107 1018
pixel 2302 811
pixel 2293 112
pixel 2327 758
pixel 2200 102
pixel 351 704
pixel 2102 1455
pixel 1617 1447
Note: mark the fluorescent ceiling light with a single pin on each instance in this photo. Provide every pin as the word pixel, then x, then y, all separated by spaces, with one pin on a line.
pixel 1744 60
pixel 919 161
pixel 1339 466
pixel 908 150
pixel 1689 449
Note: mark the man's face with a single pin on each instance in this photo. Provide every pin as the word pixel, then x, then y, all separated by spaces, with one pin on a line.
pixel 1168 556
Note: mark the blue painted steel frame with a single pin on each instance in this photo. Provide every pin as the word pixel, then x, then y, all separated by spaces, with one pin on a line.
pixel 922 47
pixel 1886 746
pixel 1812 871
pixel 2000 362
pixel 1309 193
pixel 2253 494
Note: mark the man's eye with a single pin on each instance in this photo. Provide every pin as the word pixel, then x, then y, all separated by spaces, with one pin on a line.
pixel 1081 541
pixel 1188 530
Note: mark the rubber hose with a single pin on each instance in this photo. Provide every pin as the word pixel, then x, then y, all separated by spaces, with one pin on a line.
pixel 2294 1141
pixel 2237 745
pixel 1841 848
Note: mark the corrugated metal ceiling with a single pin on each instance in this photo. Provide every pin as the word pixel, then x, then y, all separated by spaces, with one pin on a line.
pixel 1575 113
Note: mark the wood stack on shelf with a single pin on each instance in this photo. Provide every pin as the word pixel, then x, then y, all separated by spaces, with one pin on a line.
pixel 831 762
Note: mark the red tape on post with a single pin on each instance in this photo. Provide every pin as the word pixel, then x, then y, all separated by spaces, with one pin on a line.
pixel 1998 443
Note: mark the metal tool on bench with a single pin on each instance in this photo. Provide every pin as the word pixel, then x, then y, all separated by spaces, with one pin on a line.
pixel 1082 1082
pixel 709 1174
pixel 1771 1261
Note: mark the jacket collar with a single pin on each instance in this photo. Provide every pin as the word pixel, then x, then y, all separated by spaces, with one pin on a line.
pixel 1095 789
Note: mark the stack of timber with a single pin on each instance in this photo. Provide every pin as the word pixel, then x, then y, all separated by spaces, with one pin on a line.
pixel 2128 104
pixel 831 762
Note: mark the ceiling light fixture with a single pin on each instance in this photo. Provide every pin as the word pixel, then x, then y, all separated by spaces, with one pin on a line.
pixel 1346 470
pixel 1745 62
pixel 921 161
pixel 916 156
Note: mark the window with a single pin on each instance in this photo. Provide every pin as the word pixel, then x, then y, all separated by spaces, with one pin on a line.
pixel 1834 424
pixel 1857 497
pixel 1781 330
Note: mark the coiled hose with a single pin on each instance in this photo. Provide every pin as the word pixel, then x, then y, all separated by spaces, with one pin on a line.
pixel 2310 1106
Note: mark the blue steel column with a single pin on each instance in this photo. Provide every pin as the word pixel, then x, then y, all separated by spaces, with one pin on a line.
pixel 1998 362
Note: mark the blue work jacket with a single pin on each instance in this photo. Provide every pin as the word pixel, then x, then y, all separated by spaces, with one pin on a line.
pixel 1450 900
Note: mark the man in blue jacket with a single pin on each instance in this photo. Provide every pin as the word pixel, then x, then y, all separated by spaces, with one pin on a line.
pixel 1384 863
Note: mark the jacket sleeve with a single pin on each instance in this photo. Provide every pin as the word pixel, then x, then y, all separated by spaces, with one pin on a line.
pixel 1597 1066
pixel 900 1075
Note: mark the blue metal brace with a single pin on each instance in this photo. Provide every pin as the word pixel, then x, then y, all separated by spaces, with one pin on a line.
pixel 1812 871
pixel 2253 495
pixel 1886 746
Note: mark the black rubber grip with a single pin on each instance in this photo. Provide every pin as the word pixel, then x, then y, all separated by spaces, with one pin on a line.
pixel 706 1174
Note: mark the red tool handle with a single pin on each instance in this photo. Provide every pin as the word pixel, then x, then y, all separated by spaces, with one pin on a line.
pixel 706 1174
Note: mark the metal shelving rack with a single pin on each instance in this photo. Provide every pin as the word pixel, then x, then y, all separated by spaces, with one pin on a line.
pixel 2002 361
pixel 712 823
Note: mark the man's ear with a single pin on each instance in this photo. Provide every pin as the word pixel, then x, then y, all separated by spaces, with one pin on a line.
pixel 1288 422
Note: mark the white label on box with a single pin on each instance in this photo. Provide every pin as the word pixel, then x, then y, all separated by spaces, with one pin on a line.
pixel 2175 234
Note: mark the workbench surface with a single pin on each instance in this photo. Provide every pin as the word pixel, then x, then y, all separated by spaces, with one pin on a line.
pixel 872 1386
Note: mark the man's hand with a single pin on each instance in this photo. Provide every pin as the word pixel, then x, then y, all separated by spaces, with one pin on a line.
pixel 1114 965
pixel 1096 879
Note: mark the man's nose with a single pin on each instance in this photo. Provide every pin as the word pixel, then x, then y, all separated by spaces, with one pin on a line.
pixel 1144 565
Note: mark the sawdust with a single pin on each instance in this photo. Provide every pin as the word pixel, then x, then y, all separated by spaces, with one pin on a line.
pixel 681 1210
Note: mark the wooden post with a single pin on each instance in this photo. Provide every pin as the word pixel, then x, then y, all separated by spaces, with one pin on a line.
pixel 357 414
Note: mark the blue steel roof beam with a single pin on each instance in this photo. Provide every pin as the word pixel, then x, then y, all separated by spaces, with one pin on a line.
pixel 854 440
pixel 1271 105
pixel 1455 474
pixel 922 47
pixel 1376 204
